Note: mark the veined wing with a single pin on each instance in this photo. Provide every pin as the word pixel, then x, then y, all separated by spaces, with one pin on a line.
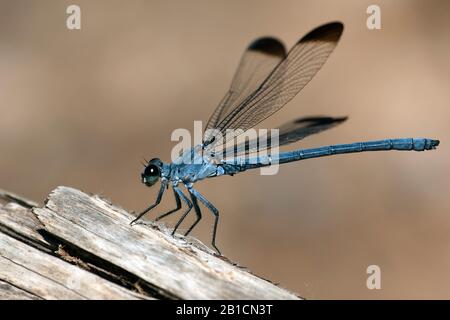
pixel 290 132
pixel 256 63
pixel 291 75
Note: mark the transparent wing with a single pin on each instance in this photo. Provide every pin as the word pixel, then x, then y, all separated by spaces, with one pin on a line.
pixel 256 63
pixel 290 132
pixel 290 76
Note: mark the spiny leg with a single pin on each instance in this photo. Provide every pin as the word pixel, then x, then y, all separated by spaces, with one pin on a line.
pixel 177 200
pixel 197 211
pixel 189 204
pixel 213 209
pixel 158 200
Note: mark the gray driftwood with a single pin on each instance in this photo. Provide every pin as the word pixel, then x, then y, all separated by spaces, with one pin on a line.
pixel 79 246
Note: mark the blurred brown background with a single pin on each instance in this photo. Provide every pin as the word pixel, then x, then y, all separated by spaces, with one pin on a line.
pixel 81 108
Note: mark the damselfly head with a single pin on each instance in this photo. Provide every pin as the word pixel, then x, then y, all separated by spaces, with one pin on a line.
pixel 152 172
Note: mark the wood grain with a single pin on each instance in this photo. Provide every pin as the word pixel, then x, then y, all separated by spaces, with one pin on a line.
pixel 80 246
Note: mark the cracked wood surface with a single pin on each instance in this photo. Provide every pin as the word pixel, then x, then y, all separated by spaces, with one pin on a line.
pixel 79 246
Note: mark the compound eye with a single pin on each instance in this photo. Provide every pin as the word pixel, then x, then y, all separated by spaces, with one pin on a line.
pixel 151 175
pixel 151 171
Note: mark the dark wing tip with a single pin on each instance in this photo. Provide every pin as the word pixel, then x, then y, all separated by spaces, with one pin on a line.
pixel 314 121
pixel 340 119
pixel 328 32
pixel 268 45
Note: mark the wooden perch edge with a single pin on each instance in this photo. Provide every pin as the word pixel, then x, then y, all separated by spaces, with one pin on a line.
pixel 82 247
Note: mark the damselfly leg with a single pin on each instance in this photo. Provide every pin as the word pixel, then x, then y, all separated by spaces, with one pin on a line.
pixel 188 203
pixel 178 203
pixel 197 211
pixel 214 211
pixel 158 200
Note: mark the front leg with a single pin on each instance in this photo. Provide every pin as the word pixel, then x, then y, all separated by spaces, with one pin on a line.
pixel 158 200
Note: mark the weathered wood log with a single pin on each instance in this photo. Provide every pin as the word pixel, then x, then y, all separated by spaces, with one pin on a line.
pixel 79 246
